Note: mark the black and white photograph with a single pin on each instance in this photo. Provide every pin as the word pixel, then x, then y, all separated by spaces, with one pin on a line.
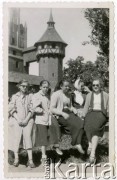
pixel 59 118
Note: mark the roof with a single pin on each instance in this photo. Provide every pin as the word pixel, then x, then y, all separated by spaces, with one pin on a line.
pixel 15 77
pixel 16 57
pixel 51 35
pixel 15 47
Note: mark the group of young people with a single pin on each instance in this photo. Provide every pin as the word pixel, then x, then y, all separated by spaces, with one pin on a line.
pixel 76 112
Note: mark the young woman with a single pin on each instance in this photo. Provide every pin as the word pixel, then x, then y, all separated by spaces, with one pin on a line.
pixel 66 114
pixel 78 101
pixel 41 109
pixel 96 111
pixel 21 123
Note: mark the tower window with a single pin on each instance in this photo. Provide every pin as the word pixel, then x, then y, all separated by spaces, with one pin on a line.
pixel 14 52
pixel 44 61
pixel 53 45
pixel 13 41
pixel 53 74
pixel 17 64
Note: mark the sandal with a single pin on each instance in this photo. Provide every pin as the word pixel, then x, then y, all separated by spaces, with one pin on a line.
pixel 92 160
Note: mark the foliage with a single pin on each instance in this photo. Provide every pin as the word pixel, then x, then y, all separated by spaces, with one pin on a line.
pixel 86 71
pixel 99 21
pixel 75 68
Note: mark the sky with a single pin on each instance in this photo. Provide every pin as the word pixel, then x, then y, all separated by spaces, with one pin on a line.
pixel 71 25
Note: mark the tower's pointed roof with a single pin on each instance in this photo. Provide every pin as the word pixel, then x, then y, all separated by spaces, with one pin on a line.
pixel 51 17
pixel 50 35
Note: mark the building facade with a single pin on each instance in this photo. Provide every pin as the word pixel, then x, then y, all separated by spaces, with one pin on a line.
pixel 17 41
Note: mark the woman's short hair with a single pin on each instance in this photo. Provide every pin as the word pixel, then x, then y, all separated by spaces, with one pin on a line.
pixel 59 84
pixel 98 79
pixel 44 82
pixel 21 82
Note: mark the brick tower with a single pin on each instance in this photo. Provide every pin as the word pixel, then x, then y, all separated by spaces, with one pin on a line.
pixel 50 51
pixel 17 41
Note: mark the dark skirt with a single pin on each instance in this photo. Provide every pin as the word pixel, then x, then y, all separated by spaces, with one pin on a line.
pixel 73 126
pixel 42 135
pixel 47 135
pixel 94 124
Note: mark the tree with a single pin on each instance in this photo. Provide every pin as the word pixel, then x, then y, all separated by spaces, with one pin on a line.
pixel 99 22
pixel 86 71
pixel 74 69
pixel 77 68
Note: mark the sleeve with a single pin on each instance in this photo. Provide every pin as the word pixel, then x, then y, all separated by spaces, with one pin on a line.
pixel 53 101
pixel 35 105
pixel 87 104
pixel 53 105
pixel 72 108
pixel 12 105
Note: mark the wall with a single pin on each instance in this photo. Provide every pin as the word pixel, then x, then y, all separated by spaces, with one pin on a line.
pixel 51 69
pixel 15 65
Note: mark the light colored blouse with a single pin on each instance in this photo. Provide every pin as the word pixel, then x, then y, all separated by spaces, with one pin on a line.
pixel 41 108
pixel 79 98
pixel 88 99
pixel 97 101
pixel 21 104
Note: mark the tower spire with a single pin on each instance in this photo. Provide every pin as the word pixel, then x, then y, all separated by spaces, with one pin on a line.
pixel 51 22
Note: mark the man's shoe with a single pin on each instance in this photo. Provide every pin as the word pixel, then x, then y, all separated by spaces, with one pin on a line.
pixel 58 151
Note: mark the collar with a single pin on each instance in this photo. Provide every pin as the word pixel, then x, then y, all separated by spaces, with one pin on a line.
pixel 78 92
pixel 41 92
pixel 19 94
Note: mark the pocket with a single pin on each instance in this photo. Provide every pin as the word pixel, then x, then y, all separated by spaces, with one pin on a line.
pixel 11 121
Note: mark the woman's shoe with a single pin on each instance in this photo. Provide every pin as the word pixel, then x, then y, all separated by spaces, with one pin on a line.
pixel 16 164
pixel 92 160
pixel 30 164
pixel 79 148
pixel 44 160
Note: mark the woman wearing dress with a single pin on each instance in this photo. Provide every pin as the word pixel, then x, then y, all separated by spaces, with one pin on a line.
pixel 65 114
pixel 21 123
pixel 96 111
pixel 45 134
